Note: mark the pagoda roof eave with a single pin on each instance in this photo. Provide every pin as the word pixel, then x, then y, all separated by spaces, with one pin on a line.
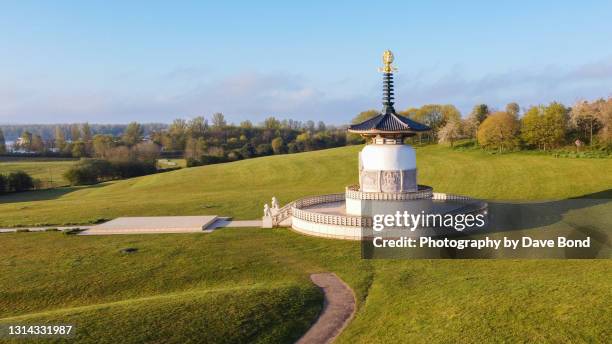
pixel 388 123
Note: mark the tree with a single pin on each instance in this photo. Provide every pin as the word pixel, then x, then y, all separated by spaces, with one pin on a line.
pixel 278 146
pixel 37 145
pixel 264 149
pixel 604 115
pixel 26 140
pixel 218 121
pixel 78 149
pixel 102 144
pixel 247 151
pixel 195 148
pixel 499 131
pixel 272 123
pixel 2 145
pixel 364 116
pixel 197 127
pixel 544 126
pixel 583 117
pixel 177 134
pixel 246 124
pixel 310 125
pixel 450 132
pixel 60 139
pixel 75 133
pixel 479 113
pixel 513 109
pixel 147 152
pixel 133 134
pixel 321 126
pixel 436 116
pixel 86 132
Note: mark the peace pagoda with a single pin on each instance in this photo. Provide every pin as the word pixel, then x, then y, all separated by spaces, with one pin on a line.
pixel 387 180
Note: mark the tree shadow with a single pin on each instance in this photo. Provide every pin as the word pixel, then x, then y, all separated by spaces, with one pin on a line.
pixel 515 220
pixel 42 195
pixel 508 215
pixel 537 220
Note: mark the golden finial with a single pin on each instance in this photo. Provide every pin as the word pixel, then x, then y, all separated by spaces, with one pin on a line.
pixel 387 60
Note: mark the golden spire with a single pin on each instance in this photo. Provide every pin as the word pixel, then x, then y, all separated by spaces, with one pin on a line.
pixel 388 61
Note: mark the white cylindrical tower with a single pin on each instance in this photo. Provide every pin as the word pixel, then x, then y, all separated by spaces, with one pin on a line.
pixel 387 168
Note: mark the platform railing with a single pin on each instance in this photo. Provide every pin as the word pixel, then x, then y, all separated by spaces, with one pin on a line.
pixel 327 219
pixel 354 192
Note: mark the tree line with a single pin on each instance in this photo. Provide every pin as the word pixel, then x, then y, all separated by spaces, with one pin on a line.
pixel 197 140
pixel 538 127
pixel 541 127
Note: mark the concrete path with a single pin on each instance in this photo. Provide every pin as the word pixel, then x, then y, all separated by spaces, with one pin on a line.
pixel 153 225
pixel 42 229
pixel 338 310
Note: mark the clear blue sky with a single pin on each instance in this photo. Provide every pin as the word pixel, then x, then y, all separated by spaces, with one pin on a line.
pixel 118 61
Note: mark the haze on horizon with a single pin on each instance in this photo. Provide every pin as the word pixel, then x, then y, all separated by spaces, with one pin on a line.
pixel 115 62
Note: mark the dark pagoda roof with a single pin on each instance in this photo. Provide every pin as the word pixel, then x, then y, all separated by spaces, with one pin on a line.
pixel 388 122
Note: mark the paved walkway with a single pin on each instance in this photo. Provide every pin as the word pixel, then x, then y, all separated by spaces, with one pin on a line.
pixel 338 310
pixel 41 229
pixel 152 225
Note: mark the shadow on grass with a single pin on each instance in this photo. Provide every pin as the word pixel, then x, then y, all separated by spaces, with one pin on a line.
pixel 43 195
pixel 530 218
pixel 587 217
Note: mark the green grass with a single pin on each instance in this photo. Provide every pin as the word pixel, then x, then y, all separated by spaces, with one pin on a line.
pixel 232 286
pixel 252 285
pixel 249 285
pixel 49 171
pixel 239 189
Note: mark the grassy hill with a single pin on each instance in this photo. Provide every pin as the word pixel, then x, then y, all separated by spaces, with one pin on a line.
pixel 251 285
pixel 239 189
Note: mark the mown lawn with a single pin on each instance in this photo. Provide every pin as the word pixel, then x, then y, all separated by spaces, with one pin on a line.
pixel 251 285
pixel 49 171
pixel 239 189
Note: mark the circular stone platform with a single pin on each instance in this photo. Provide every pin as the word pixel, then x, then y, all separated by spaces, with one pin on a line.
pixel 327 216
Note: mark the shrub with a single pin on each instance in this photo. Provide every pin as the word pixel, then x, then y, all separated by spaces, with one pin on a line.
pixel 212 159
pixel 88 172
pixel 93 171
pixel 3 183
pixel 129 169
pixel 191 162
pixel 20 181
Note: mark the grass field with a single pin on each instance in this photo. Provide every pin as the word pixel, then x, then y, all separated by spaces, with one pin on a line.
pixel 251 285
pixel 49 171
pixel 240 188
